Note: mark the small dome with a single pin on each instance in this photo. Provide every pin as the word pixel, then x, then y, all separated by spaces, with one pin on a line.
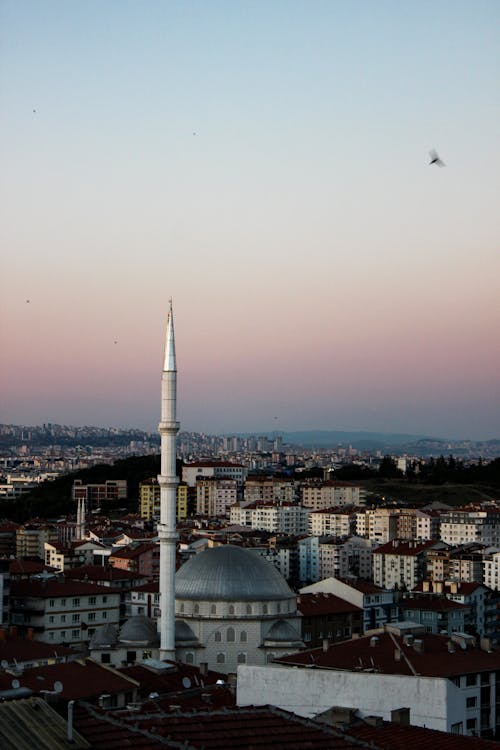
pixel 282 631
pixel 183 632
pixel 230 573
pixel 105 636
pixel 139 629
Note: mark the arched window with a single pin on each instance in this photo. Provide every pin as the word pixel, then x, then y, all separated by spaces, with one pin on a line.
pixel 231 609
pixel 278 607
pixel 213 609
pixel 221 658
pixel 264 609
pixel 217 636
pixel 242 658
pixel 230 635
pixel 249 609
pixel 182 607
pixel 196 609
pixel 243 636
pixel 189 657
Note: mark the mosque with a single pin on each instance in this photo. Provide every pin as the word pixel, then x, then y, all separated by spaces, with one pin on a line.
pixel 225 606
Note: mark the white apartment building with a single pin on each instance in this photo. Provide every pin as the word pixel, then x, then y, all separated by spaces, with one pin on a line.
pixel 283 558
pixel 214 496
pixel 428 524
pixel 321 495
pixel 491 568
pixel 308 549
pixel 379 525
pixel 205 469
pixel 332 522
pixel 66 613
pixel 342 559
pixel 398 564
pixel 462 526
pixel 285 518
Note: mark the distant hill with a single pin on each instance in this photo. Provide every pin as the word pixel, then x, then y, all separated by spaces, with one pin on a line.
pixel 359 440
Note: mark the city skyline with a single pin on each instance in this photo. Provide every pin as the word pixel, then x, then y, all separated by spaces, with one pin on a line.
pixel 267 166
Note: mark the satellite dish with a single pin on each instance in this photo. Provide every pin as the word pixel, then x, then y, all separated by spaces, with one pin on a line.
pixel 4 663
pixel 58 687
pixel 186 682
pixel 15 684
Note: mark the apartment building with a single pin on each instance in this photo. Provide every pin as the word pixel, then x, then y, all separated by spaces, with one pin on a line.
pixel 149 499
pixel 269 489
pixel 336 522
pixel 400 564
pixel 340 559
pixel 464 563
pixel 319 495
pixel 31 539
pixel 378 525
pixel 463 525
pixel 62 612
pixel 285 518
pixel 215 495
pixel 95 494
pixel 142 558
pixel 204 469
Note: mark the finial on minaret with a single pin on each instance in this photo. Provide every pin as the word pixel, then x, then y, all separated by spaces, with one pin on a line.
pixel 169 364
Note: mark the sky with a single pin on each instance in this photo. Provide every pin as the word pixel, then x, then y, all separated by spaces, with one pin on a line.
pixel 265 164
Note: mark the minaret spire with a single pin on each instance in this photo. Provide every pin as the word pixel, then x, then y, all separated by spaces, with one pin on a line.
pixel 167 479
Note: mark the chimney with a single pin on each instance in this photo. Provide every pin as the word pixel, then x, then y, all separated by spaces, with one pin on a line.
pixel 485 644
pixel 401 716
pixel 374 641
pixel 374 721
pixel 397 654
pixel 418 645
pixel 325 645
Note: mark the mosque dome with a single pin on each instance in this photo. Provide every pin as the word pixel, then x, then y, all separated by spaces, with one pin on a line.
pixel 139 629
pixel 282 632
pixel 104 637
pixel 230 573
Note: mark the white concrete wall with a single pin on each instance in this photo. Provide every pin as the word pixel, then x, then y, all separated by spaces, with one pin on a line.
pixel 434 702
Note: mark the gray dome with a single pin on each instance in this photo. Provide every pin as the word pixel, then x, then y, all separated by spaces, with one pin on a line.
pixel 282 631
pixel 104 637
pixel 139 629
pixel 230 573
pixel 184 633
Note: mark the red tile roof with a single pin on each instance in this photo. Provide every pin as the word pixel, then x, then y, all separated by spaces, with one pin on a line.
pixel 435 660
pixel 396 547
pixel 55 589
pixel 396 737
pixel 432 604
pixel 101 573
pixel 26 650
pixel 265 728
pixel 311 605
pixel 81 680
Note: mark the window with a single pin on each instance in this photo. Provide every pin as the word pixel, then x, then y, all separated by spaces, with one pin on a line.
pixel 264 609
pixel 63 602
pixel 472 702
pixel 63 635
pixel 147 654
pixel 63 618
pixel 75 618
pixel 196 609
pixel 231 609
pixel 243 636
pixel 213 609
pixel 182 607
pixel 217 636
pixel 76 602
pixel 189 657
pixel 51 618
pixel 221 658
pixel 91 616
pixel 249 609
pixel 92 600
pixel 52 602
pixel 471 726
pixel 105 658
pixel 470 680
pixel 104 599
pixel 230 635
pixel 51 635
pixel 75 634
pixel 104 615
pixel 131 657
pixel 242 658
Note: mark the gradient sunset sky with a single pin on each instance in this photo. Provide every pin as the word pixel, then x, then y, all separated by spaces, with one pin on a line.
pixel 265 164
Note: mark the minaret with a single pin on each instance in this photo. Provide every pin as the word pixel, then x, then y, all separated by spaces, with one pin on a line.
pixel 167 479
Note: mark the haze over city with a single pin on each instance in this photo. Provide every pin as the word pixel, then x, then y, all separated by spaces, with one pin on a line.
pixel 267 166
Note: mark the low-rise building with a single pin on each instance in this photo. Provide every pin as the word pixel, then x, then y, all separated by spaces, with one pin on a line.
pixel 399 564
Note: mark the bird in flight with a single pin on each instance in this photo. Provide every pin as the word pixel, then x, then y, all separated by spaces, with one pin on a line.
pixel 435 159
